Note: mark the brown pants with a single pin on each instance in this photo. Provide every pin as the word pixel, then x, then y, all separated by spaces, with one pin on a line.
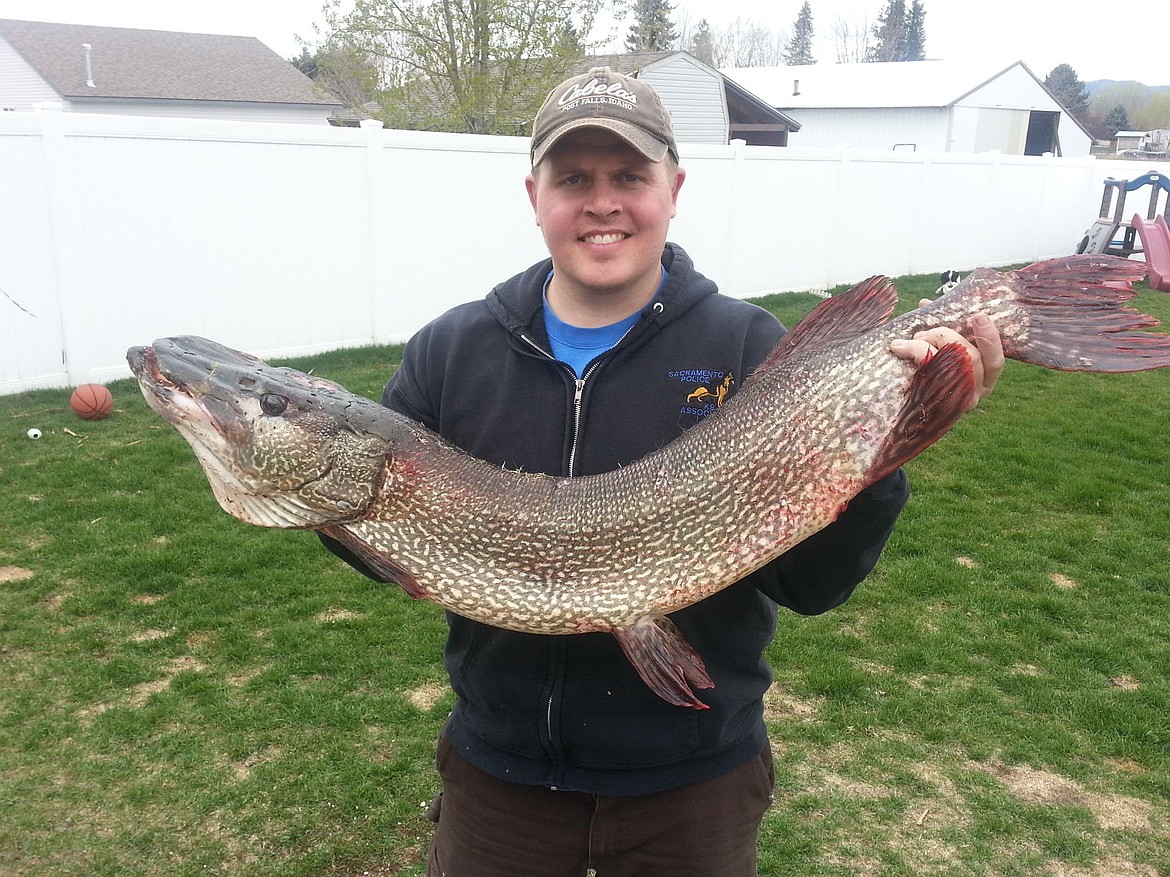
pixel 490 828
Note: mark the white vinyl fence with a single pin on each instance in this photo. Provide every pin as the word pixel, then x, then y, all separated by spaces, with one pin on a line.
pixel 288 239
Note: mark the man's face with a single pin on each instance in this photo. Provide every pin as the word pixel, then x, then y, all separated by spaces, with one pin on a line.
pixel 604 210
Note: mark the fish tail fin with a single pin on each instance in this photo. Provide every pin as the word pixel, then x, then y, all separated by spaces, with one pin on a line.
pixel 665 660
pixel 1074 318
pixel 938 395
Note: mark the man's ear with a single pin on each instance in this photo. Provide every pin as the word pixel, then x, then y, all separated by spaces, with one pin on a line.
pixel 679 176
pixel 530 185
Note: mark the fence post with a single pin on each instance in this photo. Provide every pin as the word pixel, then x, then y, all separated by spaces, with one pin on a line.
pixel 375 230
pixel 731 274
pixel 75 352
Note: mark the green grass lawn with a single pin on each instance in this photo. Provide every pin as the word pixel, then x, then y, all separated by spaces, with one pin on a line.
pixel 182 694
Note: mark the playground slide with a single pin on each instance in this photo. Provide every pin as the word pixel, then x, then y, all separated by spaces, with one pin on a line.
pixel 1156 244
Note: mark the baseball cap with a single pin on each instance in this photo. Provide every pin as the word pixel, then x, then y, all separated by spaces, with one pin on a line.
pixel 602 98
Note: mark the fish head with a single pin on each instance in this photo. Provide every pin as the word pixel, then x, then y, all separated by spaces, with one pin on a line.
pixel 280 448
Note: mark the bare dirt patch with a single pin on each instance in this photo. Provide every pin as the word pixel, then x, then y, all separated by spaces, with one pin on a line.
pixel 242 769
pixel 1062 581
pixel 15 574
pixel 1045 787
pixel 141 693
pixel 146 636
pixel 239 680
pixel 426 696
pixel 330 616
pixel 779 704
pixel 1111 867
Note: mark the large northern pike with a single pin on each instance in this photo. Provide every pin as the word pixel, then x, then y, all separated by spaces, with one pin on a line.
pixel 828 413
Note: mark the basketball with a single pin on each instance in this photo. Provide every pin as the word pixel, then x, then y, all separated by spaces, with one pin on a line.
pixel 91 402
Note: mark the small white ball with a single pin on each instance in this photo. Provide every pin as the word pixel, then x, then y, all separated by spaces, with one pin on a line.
pixel 34 433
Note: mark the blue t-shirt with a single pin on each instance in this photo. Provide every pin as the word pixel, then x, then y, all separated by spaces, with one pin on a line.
pixel 578 346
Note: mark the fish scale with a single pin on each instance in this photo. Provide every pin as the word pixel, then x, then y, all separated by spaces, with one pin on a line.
pixel 828 413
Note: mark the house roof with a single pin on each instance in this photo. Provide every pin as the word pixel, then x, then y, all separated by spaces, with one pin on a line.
pixel 158 64
pixel 746 101
pixel 882 84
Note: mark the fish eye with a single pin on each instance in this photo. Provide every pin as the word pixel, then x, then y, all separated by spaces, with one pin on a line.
pixel 273 405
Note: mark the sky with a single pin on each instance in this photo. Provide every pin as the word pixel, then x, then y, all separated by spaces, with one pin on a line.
pixel 991 30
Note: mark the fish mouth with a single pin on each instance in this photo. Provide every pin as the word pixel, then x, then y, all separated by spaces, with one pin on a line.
pixel 176 400
pixel 189 383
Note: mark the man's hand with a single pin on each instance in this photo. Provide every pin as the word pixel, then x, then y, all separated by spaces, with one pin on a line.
pixel 984 348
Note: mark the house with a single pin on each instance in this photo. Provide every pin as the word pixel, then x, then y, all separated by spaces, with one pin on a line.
pixel 91 69
pixel 705 105
pixel 939 106
pixel 1145 145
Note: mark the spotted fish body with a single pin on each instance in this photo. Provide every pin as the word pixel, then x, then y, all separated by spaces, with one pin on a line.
pixel 828 413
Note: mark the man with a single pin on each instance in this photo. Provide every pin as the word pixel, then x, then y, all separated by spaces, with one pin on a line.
pixel 557 758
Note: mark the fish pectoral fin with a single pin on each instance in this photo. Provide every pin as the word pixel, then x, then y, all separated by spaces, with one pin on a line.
pixel 665 660
pixel 383 568
pixel 938 395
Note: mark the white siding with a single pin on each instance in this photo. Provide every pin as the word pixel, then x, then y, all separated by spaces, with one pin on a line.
pixel 237 112
pixel 694 96
pixel 921 129
pixel 1014 88
pixel 1074 142
pixel 20 85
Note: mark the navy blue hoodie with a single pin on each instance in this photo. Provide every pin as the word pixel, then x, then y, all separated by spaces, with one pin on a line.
pixel 570 712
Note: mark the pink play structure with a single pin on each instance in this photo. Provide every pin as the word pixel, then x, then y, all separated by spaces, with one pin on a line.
pixel 1148 236
pixel 1155 238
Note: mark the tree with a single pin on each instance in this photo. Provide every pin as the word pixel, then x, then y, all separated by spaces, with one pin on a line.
pixel 799 50
pixel 915 48
pixel 900 33
pixel 743 43
pixel 1068 90
pixel 890 33
pixel 306 62
pixel 1116 120
pixel 479 66
pixel 652 30
pixel 341 71
pixel 851 42
pixel 746 43
pixel 1154 114
pixel 702 43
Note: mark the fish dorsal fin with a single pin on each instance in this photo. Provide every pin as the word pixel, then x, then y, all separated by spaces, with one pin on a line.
pixel 840 318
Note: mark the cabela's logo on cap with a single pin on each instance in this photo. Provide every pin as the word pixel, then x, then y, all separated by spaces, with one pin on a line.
pixel 596 88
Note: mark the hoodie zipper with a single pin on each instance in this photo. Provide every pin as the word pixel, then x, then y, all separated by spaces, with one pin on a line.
pixel 578 405
pixel 578 396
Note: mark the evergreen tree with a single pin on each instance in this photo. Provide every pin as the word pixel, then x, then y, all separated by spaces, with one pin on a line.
pixel 652 30
pixel 799 49
pixel 900 33
pixel 703 43
pixel 915 48
pixel 1116 120
pixel 306 62
pixel 890 33
pixel 1064 85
